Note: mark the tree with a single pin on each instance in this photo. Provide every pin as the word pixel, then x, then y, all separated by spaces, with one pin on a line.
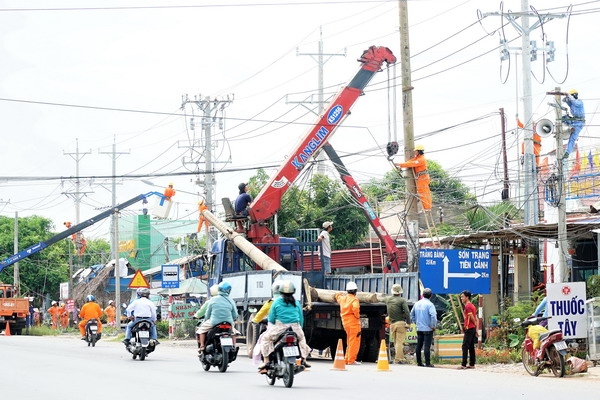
pixel 322 200
pixel 42 272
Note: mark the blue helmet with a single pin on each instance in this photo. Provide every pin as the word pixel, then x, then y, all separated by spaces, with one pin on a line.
pixel 90 298
pixel 225 287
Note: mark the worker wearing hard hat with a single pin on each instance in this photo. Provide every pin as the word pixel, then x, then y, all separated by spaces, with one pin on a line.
pixel 54 312
pixel 576 119
pixel 419 165
pixel 111 313
pixel 63 316
pixel 201 220
pixel 169 191
pixel 350 314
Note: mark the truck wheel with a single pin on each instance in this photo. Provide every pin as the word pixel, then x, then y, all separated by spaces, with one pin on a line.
pixel 371 353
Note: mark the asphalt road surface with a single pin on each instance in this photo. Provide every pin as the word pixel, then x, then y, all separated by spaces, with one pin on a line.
pixel 65 368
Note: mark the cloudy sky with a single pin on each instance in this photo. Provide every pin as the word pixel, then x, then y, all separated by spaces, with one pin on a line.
pixel 101 73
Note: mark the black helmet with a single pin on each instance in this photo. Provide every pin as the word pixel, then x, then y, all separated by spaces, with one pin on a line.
pixel 241 187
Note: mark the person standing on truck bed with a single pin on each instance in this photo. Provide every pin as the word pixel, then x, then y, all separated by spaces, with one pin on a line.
pixel 326 246
pixel 397 310
pixel 350 314
pixel 243 200
pixel 424 315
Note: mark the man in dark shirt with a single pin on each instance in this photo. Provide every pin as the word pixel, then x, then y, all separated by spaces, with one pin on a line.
pixel 399 315
pixel 243 200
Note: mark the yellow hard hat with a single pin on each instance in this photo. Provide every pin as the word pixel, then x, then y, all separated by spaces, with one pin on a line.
pixel 420 147
pixel 573 91
pixel 170 183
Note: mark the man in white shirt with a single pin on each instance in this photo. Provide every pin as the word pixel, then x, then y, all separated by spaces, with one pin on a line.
pixel 326 245
pixel 141 308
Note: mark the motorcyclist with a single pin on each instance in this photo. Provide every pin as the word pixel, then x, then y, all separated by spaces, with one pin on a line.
pixel 201 313
pixel 141 309
pixel 220 309
pixel 90 310
pixel 285 312
pixel 260 316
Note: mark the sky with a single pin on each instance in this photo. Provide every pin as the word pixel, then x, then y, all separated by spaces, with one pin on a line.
pixel 96 74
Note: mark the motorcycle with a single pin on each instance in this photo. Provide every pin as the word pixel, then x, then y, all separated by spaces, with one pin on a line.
pixel 140 343
pixel 552 349
pixel 219 350
pixel 285 360
pixel 91 332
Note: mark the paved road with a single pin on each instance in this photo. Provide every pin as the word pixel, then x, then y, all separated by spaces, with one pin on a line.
pixel 65 368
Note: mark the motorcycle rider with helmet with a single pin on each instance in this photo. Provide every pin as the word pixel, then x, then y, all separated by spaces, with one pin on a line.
pixel 220 309
pixel 141 308
pixel 90 310
pixel 285 312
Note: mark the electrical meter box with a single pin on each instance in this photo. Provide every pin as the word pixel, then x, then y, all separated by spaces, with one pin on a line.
pixel 593 315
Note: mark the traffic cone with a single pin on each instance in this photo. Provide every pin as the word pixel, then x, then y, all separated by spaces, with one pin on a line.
pixel 382 361
pixel 339 362
pixel 7 330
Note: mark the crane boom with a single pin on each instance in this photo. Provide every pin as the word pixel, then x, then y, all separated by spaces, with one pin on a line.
pixel 31 250
pixel 268 201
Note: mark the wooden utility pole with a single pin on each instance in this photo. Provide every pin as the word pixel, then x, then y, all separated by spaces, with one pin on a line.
pixel 412 219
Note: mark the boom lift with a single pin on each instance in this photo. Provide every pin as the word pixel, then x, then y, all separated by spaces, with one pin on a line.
pixel 31 250
pixel 268 201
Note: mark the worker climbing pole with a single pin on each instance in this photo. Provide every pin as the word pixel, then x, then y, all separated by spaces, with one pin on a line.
pixel 418 164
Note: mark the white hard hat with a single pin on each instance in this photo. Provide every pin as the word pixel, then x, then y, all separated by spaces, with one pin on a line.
pixel 351 286
pixel 110 302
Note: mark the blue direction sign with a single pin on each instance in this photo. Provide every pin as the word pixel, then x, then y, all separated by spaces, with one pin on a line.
pixel 452 271
pixel 170 276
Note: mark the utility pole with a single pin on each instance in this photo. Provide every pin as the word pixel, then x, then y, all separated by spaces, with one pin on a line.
pixel 114 240
pixel 16 277
pixel 210 108
pixel 528 54
pixel 320 101
pixel 412 219
pixel 561 270
pixel 77 195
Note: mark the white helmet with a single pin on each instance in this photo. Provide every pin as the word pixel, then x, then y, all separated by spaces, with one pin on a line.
pixel 54 303
pixel 110 302
pixel 351 286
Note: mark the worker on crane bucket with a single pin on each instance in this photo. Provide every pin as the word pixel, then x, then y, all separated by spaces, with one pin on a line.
pixel 419 165
pixel 243 200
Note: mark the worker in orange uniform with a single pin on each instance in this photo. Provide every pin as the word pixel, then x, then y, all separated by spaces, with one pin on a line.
pixel 54 312
pixel 90 310
pixel 350 314
pixel 537 149
pixel 111 313
pixel 419 165
pixel 201 220
pixel 63 316
pixel 169 192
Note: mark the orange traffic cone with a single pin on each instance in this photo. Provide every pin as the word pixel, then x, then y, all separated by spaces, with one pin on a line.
pixel 382 361
pixel 339 363
pixel 7 330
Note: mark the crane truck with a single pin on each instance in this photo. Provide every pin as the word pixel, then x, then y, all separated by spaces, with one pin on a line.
pixel 252 286
pixel 14 310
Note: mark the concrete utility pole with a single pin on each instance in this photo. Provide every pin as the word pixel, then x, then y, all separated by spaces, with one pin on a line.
pixel 16 277
pixel 320 101
pixel 114 239
pixel 210 108
pixel 561 270
pixel 412 219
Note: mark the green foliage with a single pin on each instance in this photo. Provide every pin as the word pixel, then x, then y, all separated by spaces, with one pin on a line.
pixel 446 189
pixel 162 328
pixel 322 199
pixel 184 329
pixel 593 286
pixel 42 330
pixel 490 218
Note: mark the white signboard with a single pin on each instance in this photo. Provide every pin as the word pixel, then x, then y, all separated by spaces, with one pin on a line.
pixel 566 306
